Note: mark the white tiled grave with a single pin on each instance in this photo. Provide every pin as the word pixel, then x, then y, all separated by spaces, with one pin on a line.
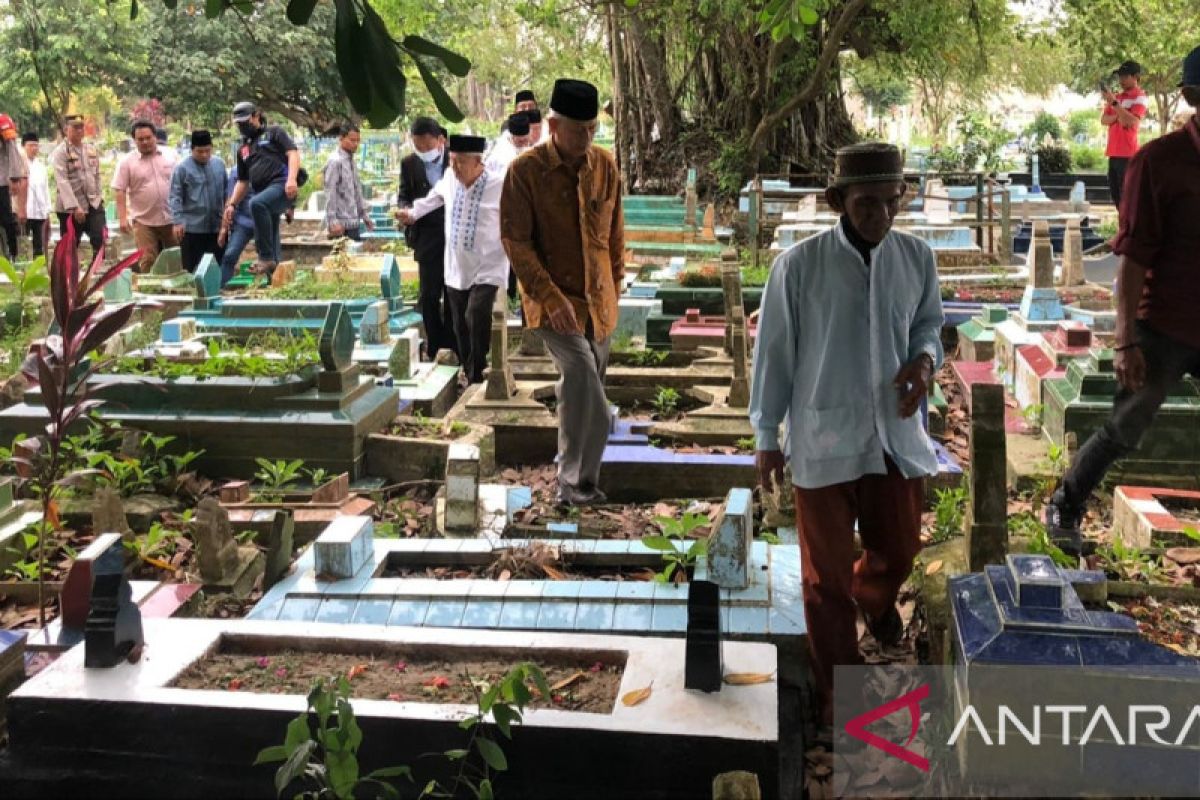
pixel 68 710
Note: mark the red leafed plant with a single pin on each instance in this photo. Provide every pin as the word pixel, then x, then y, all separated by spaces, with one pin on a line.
pixel 83 326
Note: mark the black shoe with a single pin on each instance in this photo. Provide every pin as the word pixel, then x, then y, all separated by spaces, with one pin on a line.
pixel 1062 524
pixel 578 496
pixel 887 629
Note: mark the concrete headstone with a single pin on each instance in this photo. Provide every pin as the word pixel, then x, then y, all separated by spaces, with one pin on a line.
pixel 500 382
pixel 216 548
pixel 108 512
pixel 987 528
pixel 120 288
pixel 207 281
pixel 389 277
pixel 336 345
pixel 403 360
pixel 462 489
pixel 169 262
pixel 279 548
pixel 373 328
pixel 1072 254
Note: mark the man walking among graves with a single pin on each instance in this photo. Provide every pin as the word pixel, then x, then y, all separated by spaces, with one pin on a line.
pixel 419 173
pixel 345 208
pixel 269 163
pixel 198 189
pixel 76 166
pixel 1158 300
pixel 561 222
pixel 13 189
pixel 476 265
pixel 848 341
pixel 1123 114
pixel 142 184
pixel 37 202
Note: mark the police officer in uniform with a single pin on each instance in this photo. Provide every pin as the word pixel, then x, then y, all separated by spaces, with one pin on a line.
pixel 76 166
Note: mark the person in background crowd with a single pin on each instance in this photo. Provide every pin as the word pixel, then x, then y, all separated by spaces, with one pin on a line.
pixel 419 173
pixel 1123 114
pixel 37 203
pixel 346 210
pixel 1158 297
pixel 512 143
pixel 525 100
pixel 538 133
pixel 268 162
pixel 561 223
pixel 198 190
pixel 76 166
pixel 476 266
pixel 851 393
pixel 142 184
pixel 13 185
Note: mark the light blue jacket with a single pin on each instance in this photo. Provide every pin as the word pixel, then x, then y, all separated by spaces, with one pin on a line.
pixel 197 196
pixel 832 334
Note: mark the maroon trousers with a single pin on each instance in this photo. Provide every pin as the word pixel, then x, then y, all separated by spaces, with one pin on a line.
pixel 888 510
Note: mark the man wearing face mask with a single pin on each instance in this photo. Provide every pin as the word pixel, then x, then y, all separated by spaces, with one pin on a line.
pixel 419 173
pixel 851 393
pixel 269 163
pixel 476 265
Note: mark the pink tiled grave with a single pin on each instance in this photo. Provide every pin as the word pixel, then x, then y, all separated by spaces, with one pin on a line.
pixel 694 330
pixel 1143 515
pixel 1048 358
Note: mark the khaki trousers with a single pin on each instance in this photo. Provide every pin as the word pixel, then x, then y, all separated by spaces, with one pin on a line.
pixel 152 240
pixel 583 419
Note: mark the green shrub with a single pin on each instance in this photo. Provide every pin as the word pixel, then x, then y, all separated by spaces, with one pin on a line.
pixel 1044 124
pixel 1053 159
pixel 1084 157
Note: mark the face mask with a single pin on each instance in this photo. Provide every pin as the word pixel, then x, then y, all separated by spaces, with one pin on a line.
pixel 430 156
pixel 247 129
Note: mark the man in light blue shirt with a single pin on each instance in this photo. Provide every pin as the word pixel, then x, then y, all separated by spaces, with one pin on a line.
pixel 848 340
pixel 196 199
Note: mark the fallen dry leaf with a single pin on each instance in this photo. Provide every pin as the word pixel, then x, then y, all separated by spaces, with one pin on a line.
pixel 565 682
pixel 933 567
pixel 748 678
pixel 553 574
pixel 355 671
pixel 636 696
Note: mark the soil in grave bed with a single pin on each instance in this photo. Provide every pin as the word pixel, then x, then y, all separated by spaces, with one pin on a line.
pixel 1185 510
pixel 644 409
pixel 415 429
pixel 1175 626
pixel 536 562
pixel 585 682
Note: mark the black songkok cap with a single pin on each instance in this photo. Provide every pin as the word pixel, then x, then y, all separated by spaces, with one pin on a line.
pixel 467 144
pixel 577 100
pixel 533 115
pixel 518 124
pixel 523 96
pixel 201 138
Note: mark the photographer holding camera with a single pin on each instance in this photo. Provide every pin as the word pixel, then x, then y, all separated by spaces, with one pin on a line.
pixel 1123 114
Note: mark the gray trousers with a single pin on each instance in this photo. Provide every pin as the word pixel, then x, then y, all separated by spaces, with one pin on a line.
pixel 583 419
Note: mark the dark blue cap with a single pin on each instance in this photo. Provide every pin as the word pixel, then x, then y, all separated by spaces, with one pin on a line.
pixel 1191 69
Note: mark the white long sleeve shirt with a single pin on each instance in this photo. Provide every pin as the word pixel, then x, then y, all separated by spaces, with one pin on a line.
pixel 37 201
pixel 832 334
pixel 474 253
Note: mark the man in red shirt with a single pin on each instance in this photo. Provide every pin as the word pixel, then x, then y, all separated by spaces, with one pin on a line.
pixel 1123 114
pixel 1158 300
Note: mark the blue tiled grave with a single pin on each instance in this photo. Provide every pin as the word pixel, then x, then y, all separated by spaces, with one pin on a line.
pixel 1023 640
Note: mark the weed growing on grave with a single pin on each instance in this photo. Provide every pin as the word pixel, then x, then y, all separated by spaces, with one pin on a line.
pixel 321 745
pixel 147 471
pixel 748 444
pixel 666 401
pixel 1032 416
pixel 323 753
pixel 156 546
pixel 622 342
pixel 275 476
pixel 34 279
pixel 949 512
pixel 677 554
pixel 317 477
pixel 1027 525
pixel 647 358
pixel 1056 458
pixel 305 287
pixel 505 702
pixel 755 276
pixel 1128 563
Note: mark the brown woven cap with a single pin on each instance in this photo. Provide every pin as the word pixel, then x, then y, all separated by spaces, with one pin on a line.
pixel 868 162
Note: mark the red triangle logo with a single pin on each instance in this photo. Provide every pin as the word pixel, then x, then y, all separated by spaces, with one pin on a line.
pixel 857 727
